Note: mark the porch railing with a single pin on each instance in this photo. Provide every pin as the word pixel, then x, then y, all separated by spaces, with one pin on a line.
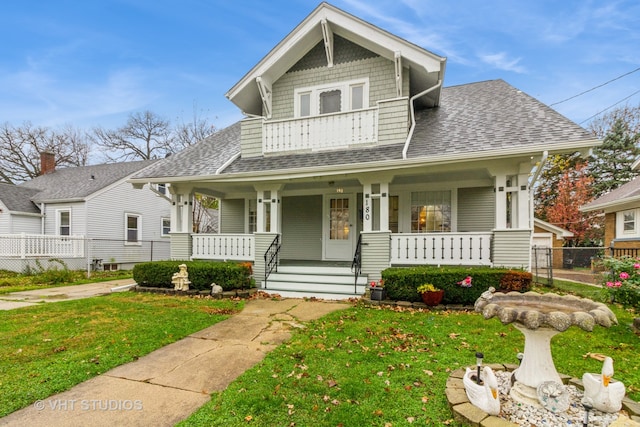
pixel 238 247
pixel 327 131
pixel 271 258
pixel 441 248
pixel 40 245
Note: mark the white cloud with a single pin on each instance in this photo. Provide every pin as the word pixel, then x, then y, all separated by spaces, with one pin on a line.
pixel 501 61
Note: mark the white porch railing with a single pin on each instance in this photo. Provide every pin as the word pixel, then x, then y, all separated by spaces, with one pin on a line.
pixel 39 245
pixel 441 248
pixel 328 131
pixel 239 247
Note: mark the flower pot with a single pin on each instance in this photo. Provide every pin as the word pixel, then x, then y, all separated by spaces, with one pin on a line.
pixel 432 298
pixel 378 294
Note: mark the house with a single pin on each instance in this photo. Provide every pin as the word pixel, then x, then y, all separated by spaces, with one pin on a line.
pixel 58 212
pixel 622 218
pixel 546 235
pixel 353 153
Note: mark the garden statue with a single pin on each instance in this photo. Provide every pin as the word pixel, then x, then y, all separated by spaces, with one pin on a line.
pixel 485 394
pixel 216 289
pixel 180 280
pixel 606 395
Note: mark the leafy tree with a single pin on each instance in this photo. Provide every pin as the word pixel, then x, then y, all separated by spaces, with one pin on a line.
pixel 611 162
pixel 575 188
pixel 20 148
pixel 601 125
pixel 545 192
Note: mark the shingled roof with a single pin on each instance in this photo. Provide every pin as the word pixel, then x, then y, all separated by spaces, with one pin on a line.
pixel 625 193
pixel 18 199
pixel 473 118
pixel 76 183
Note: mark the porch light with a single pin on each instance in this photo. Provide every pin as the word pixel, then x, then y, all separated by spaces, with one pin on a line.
pixel 479 357
pixel 340 190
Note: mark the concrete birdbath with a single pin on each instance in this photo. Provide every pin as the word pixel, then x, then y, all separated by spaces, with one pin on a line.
pixel 540 317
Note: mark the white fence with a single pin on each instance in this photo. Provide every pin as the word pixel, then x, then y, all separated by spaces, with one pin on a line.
pixel 327 131
pixel 237 247
pixel 38 245
pixel 441 248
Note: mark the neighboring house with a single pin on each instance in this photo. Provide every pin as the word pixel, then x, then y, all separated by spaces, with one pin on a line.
pixel 622 218
pixel 547 235
pixel 353 151
pixel 90 202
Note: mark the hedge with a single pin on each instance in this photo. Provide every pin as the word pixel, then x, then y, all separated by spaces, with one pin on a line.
pixel 401 283
pixel 229 275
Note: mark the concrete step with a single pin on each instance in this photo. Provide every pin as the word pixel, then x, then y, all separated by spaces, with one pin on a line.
pixel 318 282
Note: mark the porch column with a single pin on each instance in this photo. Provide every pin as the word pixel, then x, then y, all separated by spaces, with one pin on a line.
pixel 181 223
pixel 269 209
pixel 501 202
pixel 524 213
pixel 375 205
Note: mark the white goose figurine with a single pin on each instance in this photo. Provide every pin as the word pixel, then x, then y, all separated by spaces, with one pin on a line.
pixel 484 396
pixel 606 395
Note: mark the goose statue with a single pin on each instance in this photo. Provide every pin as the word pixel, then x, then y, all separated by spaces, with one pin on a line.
pixel 606 395
pixel 484 396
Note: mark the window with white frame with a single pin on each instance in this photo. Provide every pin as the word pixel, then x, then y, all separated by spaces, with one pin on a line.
pixel 64 222
pixel 334 98
pixel 430 211
pixel 165 226
pixel 133 229
pixel 627 224
pixel 253 216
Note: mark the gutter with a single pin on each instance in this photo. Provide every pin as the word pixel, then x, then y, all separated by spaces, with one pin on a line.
pixel 413 115
pixel 545 156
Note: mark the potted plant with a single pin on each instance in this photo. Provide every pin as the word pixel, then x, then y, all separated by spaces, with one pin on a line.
pixel 377 290
pixel 431 295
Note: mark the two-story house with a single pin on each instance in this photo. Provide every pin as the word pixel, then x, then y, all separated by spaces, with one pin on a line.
pixel 353 152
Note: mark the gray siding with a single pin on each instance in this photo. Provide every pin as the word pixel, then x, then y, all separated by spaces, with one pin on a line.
pixel 232 216
pixel 393 121
pixel 251 137
pixel 476 209
pixel 263 241
pixel 180 246
pixel 302 227
pixel 78 218
pixel 375 253
pixel 512 248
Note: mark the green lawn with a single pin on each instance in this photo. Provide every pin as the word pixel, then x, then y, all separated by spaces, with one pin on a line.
pixel 16 282
pixel 49 348
pixel 383 367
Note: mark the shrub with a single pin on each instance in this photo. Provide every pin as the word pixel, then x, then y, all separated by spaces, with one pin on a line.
pixel 229 275
pixel 621 282
pixel 461 285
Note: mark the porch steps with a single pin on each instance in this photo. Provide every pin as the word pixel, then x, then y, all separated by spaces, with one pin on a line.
pixel 315 281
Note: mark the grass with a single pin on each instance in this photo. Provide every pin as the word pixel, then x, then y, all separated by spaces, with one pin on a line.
pixel 382 367
pixel 16 282
pixel 50 348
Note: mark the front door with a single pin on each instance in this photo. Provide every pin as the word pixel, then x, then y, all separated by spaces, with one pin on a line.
pixel 339 227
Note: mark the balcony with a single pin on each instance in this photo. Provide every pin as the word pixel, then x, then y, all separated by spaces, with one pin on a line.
pixel 325 132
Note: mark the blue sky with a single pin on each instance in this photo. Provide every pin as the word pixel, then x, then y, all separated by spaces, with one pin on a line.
pixel 92 63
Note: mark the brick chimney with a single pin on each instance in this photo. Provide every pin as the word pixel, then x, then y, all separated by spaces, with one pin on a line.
pixel 47 162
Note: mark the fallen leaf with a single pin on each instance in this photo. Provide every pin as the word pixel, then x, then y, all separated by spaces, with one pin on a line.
pixel 332 383
pixel 453 335
pixel 410 420
pixel 428 372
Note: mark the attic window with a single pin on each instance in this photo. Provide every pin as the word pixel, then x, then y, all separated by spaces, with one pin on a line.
pixel 330 101
pixel 334 98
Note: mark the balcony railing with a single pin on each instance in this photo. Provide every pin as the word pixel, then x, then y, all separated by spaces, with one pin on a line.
pixel 441 248
pixel 328 131
pixel 39 245
pixel 238 247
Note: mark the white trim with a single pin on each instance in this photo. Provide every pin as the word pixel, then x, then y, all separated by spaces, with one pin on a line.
pixel 345 96
pixel 59 213
pixel 138 240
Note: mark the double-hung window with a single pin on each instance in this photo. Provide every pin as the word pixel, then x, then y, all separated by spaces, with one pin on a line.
pixel 627 224
pixel 165 227
pixel 430 211
pixel 133 229
pixel 333 98
pixel 64 222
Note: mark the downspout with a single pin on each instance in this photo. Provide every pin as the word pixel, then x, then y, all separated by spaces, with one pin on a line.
pixel 413 115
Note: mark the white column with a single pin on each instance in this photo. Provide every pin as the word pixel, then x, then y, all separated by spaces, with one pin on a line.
pixel 501 201
pixel 367 208
pixel 523 202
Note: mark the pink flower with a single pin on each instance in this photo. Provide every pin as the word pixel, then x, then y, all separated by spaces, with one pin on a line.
pixel 466 282
pixel 609 284
pixel 624 275
pixel 636 265
pixel 373 284
pixel 617 284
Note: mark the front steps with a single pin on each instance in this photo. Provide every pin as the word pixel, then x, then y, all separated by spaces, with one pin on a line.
pixel 333 283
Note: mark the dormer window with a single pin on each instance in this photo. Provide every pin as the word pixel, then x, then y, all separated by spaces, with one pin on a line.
pixel 335 98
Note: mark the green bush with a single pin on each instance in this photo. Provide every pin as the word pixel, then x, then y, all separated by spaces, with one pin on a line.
pixel 229 275
pixel 621 282
pixel 401 283
pixel 54 273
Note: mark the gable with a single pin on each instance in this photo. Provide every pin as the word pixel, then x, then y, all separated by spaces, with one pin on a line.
pixel 344 50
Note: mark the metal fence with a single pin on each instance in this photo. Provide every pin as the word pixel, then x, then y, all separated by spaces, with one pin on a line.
pixel 549 263
pixel 20 253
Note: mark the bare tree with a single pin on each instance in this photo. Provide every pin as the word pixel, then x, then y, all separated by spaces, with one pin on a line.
pixel 601 125
pixel 20 149
pixel 145 136
pixel 198 128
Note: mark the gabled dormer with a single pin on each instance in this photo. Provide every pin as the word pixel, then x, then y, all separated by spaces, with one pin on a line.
pixel 335 82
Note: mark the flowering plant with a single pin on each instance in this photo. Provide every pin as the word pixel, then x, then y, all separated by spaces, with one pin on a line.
pixel 378 284
pixel 622 282
pixel 466 282
pixel 427 287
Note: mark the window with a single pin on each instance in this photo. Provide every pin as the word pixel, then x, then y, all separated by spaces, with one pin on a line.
pixel 162 188
pixel 626 224
pixel 253 216
pixel 334 98
pixel 430 211
pixel 64 223
pixel 165 227
pixel 133 225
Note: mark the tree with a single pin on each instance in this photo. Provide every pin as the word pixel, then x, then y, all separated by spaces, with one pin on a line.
pixel 601 125
pixel 20 149
pixel 575 188
pixel 611 162
pixel 188 133
pixel 145 136
pixel 545 192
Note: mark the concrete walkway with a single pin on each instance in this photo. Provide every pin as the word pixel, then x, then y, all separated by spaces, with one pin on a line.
pixel 168 385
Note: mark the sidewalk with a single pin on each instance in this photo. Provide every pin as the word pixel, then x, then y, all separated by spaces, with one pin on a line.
pixel 62 293
pixel 169 384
